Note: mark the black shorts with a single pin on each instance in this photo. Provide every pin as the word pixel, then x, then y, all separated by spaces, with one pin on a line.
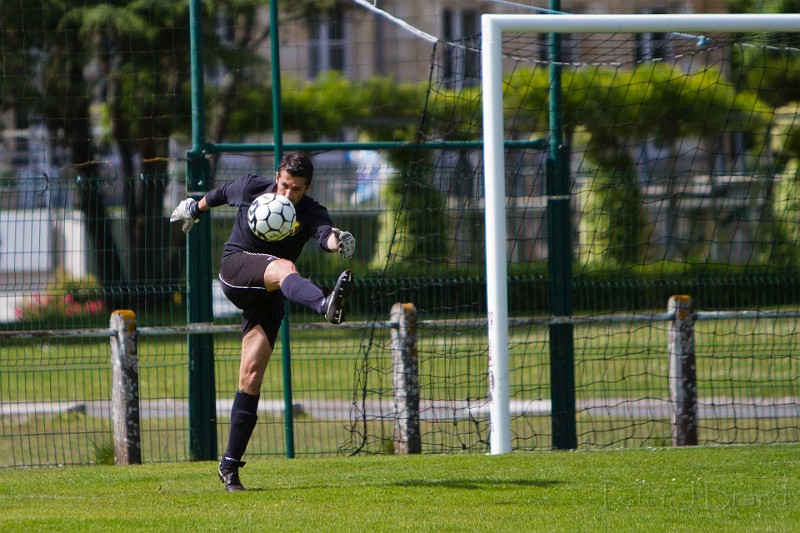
pixel 242 277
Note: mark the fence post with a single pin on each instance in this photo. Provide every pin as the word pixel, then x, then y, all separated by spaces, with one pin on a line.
pixel 405 377
pixel 125 389
pixel 682 371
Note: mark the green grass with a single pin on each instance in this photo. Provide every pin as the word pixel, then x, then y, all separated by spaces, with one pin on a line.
pixel 699 489
pixel 757 357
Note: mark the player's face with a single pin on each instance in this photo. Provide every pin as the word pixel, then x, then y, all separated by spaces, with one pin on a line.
pixel 292 187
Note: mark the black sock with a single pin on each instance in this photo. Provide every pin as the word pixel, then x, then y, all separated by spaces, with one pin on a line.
pixel 300 290
pixel 244 414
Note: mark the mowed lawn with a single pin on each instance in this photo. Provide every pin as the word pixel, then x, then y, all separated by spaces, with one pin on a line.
pixel 737 488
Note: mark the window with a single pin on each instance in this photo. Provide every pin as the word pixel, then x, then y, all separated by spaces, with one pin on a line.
pixel 650 46
pixel 328 40
pixel 569 51
pixel 461 29
pixel 225 27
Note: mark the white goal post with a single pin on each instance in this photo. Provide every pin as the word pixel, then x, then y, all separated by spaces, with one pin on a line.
pixel 492 28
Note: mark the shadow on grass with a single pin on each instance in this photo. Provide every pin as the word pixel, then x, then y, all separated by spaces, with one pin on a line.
pixel 478 483
pixel 461 484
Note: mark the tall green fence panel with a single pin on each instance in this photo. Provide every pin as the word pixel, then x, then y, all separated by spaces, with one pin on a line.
pixel 684 182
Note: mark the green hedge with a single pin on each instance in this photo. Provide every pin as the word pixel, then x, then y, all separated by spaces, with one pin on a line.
pixel 595 292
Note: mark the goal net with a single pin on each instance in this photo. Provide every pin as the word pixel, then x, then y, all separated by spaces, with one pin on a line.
pixel 679 152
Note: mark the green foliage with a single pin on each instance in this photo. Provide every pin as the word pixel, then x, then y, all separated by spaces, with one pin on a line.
pixel 608 111
pixel 414 225
pixel 321 106
pixel 656 102
pixel 772 72
pixel 104 453
pixel 528 90
pixel 379 108
pixel 251 113
pixel 390 109
pixel 388 447
pixel 612 218
pixel 454 112
pixel 785 222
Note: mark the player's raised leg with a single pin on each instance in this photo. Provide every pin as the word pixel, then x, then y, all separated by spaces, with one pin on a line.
pixel 283 274
pixel 335 310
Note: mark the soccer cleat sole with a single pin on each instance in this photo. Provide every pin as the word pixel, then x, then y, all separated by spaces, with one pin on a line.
pixel 335 314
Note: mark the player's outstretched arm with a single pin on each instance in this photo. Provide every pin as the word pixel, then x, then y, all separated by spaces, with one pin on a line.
pixel 345 243
pixel 188 212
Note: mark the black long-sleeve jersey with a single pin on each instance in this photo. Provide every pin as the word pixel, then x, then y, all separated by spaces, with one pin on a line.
pixel 312 218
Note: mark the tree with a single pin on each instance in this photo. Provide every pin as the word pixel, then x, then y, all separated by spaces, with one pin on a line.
pixel 773 71
pixel 142 51
pixel 784 225
pixel 661 104
pixel 45 47
pixel 130 61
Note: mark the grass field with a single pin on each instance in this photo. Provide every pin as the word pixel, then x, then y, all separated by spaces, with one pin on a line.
pixel 739 488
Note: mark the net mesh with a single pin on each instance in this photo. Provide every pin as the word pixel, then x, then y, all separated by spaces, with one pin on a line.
pixel 683 181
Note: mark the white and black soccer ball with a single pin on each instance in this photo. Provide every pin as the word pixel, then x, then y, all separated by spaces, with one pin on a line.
pixel 271 217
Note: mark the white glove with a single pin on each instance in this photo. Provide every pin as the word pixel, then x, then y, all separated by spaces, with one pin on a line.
pixel 186 212
pixel 347 243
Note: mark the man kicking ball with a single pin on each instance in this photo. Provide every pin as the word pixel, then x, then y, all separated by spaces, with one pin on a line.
pixel 258 276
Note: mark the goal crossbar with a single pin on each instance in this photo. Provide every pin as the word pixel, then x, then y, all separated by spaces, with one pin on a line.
pixel 641 23
pixel 492 29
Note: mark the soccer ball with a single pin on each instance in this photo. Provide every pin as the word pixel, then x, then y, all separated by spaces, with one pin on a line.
pixel 271 217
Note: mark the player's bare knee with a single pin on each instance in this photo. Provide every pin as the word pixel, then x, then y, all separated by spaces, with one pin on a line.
pixel 285 267
pixel 277 271
pixel 251 382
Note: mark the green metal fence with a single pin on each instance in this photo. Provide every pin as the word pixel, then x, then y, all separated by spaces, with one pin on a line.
pixel 711 214
pixel 57 387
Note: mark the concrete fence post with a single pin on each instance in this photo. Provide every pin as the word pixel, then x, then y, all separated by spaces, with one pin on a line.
pixel 682 371
pixel 125 389
pixel 405 378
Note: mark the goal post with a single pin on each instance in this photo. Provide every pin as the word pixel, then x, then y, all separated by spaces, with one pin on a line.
pixel 493 27
pixel 496 266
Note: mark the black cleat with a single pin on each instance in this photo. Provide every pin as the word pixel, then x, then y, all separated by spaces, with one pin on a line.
pixel 229 475
pixel 335 301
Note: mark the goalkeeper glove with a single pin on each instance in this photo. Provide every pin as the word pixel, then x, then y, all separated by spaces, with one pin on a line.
pixel 347 243
pixel 187 212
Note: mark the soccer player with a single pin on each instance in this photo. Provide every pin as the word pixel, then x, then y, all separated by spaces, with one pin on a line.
pixel 257 276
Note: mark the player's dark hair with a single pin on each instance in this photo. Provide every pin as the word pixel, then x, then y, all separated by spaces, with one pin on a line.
pixel 297 165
